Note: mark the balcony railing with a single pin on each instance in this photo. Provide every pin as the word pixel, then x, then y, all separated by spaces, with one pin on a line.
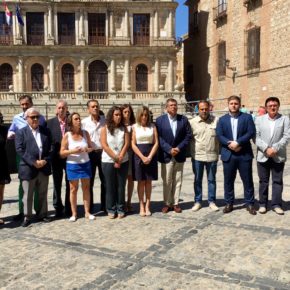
pixel 141 40
pixel 35 40
pixel 97 40
pixel 220 11
pixel 67 39
pixel 6 40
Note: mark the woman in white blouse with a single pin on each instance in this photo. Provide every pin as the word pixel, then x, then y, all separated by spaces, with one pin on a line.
pixel 115 142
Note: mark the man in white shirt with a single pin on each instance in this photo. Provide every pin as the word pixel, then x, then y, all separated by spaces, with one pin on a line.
pixel 272 137
pixel 93 124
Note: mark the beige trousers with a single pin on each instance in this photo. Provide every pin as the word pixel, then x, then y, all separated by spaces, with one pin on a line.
pixel 171 174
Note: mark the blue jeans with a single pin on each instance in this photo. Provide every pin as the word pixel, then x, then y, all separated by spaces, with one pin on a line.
pixel 198 168
pixel 115 186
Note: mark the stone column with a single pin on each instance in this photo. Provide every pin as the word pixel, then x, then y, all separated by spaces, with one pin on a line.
pixel 127 75
pixel 83 75
pixel 50 34
pixel 127 26
pixel 107 27
pixel 51 74
pixel 170 28
pixel 156 74
pixel 81 37
pixel 170 76
pixel 112 76
pixel 111 24
pixel 156 24
pixel 55 22
pixel 20 75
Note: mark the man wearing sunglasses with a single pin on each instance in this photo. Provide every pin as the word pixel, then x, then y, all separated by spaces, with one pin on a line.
pixel 19 121
pixel 33 145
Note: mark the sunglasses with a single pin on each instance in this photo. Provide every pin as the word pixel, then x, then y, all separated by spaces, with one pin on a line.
pixel 34 117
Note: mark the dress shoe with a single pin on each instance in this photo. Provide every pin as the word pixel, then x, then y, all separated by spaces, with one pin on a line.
pixel 165 209
pixel 58 214
pixel 26 223
pixel 177 209
pixel 228 208
pixel 18 217
pixel 45 219
pixel 251 210
pixel 278 210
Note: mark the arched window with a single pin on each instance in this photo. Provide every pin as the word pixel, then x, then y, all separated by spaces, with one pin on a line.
pixel 98 76
pixel 141 78
pixel 67 77
pixel 6 73
pixel 37 77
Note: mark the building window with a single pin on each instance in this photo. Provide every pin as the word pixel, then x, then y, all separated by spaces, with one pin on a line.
pixel 221 10
pixel 35 28
pixel 253 48
pixel 66 28
pixel 98 76
pixel 97 28
pixel 141 78
pixel 5 31
pixel 221 60
pixel 67 77
pixel 141 29
pixel 37 77
pixel 6 73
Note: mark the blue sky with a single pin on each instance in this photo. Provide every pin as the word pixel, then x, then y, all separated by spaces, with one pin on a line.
pixel 181 18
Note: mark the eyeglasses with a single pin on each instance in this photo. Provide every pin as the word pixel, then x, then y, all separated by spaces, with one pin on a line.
pixel 34 117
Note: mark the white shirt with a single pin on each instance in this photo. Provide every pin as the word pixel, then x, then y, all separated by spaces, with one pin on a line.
pixel 94 129
pixel 234 124
pixel 272 125
pixel 37 137
pixel 173 123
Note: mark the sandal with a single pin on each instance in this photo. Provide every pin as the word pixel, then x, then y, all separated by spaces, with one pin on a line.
pixel 72 219
pixel 91 217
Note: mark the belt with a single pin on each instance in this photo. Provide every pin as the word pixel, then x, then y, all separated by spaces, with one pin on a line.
pixel 98 150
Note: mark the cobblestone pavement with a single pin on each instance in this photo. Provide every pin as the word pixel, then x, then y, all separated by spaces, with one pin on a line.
pixel 191 250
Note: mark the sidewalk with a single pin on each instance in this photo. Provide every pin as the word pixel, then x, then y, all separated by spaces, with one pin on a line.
pixel 191 250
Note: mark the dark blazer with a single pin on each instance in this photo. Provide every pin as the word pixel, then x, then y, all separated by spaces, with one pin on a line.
pixel 54 128
pixel 167 141
pixel 27 149
pixel 245 132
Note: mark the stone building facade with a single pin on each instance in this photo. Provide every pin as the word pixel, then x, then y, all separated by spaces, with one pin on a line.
pixel 238 47
pixel 89 46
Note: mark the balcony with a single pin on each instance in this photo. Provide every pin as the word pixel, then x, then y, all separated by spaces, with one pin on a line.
pixel 252 4
pixel 119 41
pixel 97 40
pixel 35 40
pixel 66 39
pixel 220 12
pixel 6 40
pixel 141 40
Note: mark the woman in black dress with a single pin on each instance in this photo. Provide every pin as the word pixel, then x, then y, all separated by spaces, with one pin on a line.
pixel 4 171
pixel 144 145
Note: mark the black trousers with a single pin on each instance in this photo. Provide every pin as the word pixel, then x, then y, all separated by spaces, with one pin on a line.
pixel 264 171
pixel 96 158
pixel 58 170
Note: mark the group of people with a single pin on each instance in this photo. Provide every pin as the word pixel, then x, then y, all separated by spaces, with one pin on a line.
pixel 125 149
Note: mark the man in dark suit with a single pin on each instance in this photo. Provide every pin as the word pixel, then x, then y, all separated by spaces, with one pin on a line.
pixel 57 127
pixel 174 134
pixel 33 144
pixel 234 131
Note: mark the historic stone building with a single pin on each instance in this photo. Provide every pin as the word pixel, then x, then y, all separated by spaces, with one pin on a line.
pixel 238 47
pixel 89 46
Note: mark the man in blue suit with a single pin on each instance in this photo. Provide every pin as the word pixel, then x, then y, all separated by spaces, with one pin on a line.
pixel 174 134
pixel 33 145
pixel 234 131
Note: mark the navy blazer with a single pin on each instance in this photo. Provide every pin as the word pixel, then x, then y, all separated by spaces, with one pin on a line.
pixel 56 135
pixel 245 132
pixel 167 141
pixel 27 149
